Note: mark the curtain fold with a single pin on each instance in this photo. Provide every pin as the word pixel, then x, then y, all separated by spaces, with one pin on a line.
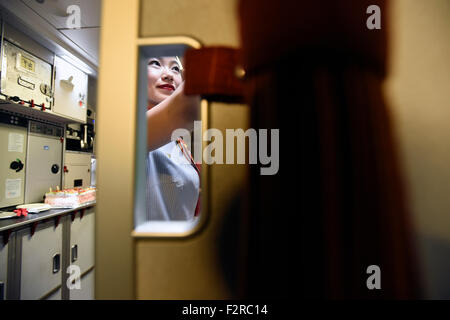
pixel 338 202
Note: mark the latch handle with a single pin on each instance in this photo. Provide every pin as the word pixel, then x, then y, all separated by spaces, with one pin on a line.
pixel 56 263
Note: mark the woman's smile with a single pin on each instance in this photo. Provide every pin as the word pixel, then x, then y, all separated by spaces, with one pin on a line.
pixel 166 87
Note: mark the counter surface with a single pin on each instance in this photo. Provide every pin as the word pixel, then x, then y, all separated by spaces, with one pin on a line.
pixel 11 223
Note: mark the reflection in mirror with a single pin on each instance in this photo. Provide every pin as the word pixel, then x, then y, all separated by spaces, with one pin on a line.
pixel 166 122
pixel 173 178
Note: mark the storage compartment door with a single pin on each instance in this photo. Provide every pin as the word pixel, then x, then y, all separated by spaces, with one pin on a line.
pixel 82 241
pixel 3 268
pixel 70 91
pixel 77 176
pixel 43 167
pixel 56 295
pixel 42 261
pixel 87 288
pixel 25 76
pixel 13 148
pixel 78 173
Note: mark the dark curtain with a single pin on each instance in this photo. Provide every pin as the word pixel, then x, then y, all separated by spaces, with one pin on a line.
pixel 337 204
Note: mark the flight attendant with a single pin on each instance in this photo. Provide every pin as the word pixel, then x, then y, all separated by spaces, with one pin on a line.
pixel 173 178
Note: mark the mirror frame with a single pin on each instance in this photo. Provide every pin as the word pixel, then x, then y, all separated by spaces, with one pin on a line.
pixel 140 153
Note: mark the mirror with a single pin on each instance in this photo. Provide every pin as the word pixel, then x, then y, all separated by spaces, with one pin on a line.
pixel 170 176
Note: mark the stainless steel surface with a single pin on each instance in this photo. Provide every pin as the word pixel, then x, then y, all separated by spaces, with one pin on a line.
pixel 55 294
pixel 22 281
pixel 78 169
pixel 44 161
pixel 82 239
pixel 66 222
pixel 7 215
pixel 31 218
pixel 3 266
pixel 39 249
pixel 23 74
pixel 13 272
pixel 86 292
pixel 13 148
pixel 33 113
pixel 93 171
pixel 84 143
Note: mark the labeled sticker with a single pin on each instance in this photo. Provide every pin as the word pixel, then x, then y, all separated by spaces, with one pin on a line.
pixel 15 142
pixel 27 64
pixel 12 188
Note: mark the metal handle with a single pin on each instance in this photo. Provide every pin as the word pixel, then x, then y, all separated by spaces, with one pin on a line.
pixel 2 291
pixel 74 253
pixel 56 263
pixel 85 135
pixel 25 83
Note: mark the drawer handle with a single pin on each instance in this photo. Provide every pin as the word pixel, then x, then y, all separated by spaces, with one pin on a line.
pixel 74 253
pixel 25 83
pixel 56 263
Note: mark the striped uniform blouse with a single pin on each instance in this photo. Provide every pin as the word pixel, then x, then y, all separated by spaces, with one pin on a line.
pixel 172 185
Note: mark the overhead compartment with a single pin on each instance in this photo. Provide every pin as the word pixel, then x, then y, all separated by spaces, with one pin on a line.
pixel 40 83
pixel 25 78
pixel 71 86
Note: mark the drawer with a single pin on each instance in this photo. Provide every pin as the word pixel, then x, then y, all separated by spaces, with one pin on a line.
pixel 57 295
pixel 3 268
pixel 87 288
pixel 42 260
pixel 82 240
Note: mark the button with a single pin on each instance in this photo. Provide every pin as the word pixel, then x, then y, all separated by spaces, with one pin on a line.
pixel 55 169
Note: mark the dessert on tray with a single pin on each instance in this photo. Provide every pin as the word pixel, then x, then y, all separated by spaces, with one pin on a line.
pixel 70 198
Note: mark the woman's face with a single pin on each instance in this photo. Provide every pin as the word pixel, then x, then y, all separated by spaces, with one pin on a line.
pixel 164 76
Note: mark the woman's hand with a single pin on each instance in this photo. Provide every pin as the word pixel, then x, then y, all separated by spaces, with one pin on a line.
pixel 175 112
pixel 187 107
